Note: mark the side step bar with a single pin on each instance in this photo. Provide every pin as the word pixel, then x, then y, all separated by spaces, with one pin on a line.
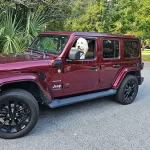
pixel 66 101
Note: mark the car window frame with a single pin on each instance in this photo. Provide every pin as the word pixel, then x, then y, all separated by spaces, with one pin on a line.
pixel 114 39
pixel 95 50
pixel 129 58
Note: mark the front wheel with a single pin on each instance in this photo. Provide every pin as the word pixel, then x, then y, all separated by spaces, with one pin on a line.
pixel 18 113
pixel 127 90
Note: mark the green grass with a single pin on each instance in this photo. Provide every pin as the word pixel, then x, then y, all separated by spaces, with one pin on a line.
pixel 146 57
pixel 145 51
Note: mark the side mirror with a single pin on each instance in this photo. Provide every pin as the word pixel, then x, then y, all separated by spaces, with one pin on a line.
pixel 74 54
pixel 57 63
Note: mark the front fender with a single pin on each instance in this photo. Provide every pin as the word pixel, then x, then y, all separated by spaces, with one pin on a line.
pixel 122 75
pixel 19 77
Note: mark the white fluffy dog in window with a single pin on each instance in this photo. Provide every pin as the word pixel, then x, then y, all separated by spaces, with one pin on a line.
pixel 82 45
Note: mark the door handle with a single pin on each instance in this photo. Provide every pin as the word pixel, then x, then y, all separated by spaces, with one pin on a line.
pixel 93 67
pixel 116 65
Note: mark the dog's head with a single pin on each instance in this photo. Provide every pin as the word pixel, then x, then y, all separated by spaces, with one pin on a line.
pixel 82 45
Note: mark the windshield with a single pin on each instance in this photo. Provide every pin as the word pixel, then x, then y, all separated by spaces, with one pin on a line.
pixel 49 43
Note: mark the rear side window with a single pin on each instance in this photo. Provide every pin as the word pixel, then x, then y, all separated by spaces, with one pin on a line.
pixel 130 49
pixel 110 48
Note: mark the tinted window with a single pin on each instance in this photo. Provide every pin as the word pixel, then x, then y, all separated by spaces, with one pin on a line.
pixel 110 48
pixel 130 48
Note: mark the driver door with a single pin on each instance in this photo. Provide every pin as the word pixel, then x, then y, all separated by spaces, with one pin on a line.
pixel 81 76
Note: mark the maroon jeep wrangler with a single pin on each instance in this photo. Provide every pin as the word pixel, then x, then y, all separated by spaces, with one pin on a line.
pixel 51 72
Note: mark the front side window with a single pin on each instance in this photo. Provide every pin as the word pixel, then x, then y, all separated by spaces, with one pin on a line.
pixel 130 49
pixel 110 48
pixel 50 43
pixel 81 45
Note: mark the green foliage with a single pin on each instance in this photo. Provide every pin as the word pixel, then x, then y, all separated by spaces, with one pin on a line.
pixel 88 19
pixel 47 43
pixel 34 24
pixel 9 32
pixel 114 16
pixel 29 17
pixel 15 38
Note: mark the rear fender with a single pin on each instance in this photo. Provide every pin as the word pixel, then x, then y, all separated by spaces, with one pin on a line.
pixel 36 78
pixel 123 73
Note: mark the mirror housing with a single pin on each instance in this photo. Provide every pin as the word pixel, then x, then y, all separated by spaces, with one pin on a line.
pixel 57 63
pixel 74 54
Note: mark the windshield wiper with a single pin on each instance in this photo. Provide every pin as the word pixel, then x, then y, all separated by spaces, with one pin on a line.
pixel 44 53
pixel 32 49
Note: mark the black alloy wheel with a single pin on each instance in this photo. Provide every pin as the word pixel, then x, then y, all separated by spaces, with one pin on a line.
pixel 15 115
pixel 130 90
pixel 19 113
pixel 127 91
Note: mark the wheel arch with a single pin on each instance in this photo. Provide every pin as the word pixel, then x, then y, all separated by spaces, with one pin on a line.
pixel 29 85
pixel 122 75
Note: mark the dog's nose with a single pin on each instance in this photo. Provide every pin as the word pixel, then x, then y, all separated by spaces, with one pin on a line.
pixel 78 46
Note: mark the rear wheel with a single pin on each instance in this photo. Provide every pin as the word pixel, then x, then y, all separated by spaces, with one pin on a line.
pixel 127 90
pixel 18 113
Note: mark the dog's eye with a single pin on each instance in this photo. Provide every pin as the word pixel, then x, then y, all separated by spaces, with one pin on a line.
pixel 81 43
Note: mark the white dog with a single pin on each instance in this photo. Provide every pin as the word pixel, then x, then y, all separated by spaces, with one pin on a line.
pixel 82 45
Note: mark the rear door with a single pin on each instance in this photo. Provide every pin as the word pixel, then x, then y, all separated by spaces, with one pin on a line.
pixel 110 61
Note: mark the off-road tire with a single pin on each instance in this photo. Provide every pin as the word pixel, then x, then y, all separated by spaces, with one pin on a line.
pixel 127 91
pixel 25 106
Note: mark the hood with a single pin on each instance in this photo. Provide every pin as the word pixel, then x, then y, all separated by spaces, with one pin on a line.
pixel 24 61
pixel 19 57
